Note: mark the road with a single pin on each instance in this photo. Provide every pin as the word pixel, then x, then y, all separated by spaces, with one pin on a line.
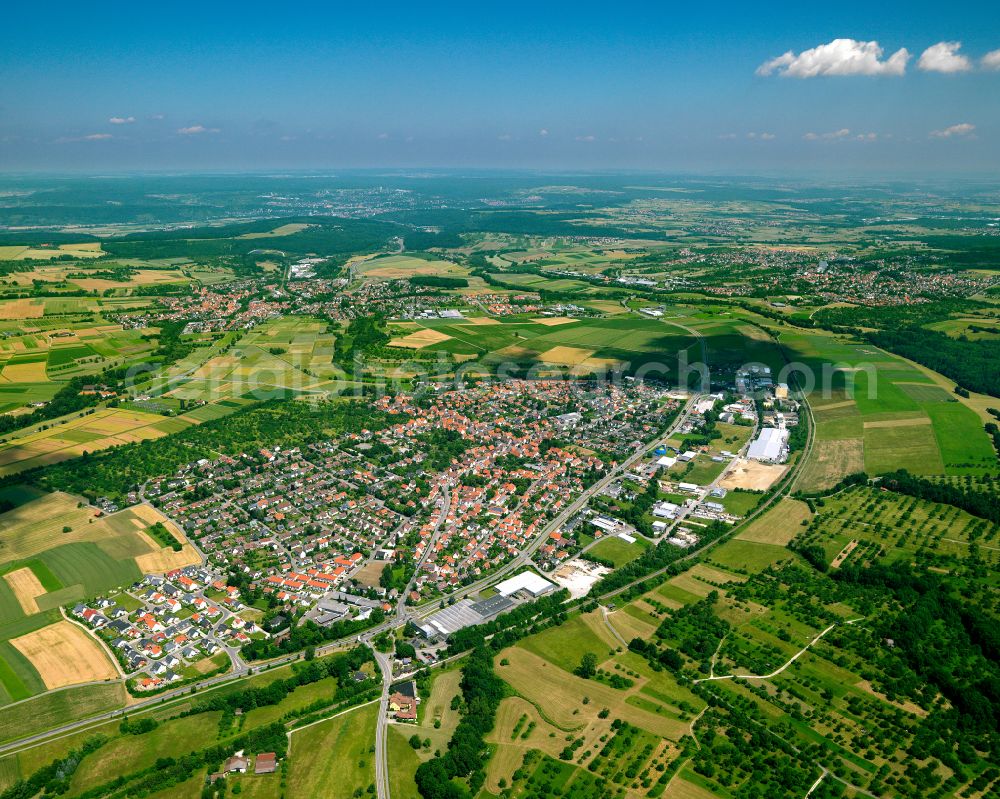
pixel 444 506
pixel 382 726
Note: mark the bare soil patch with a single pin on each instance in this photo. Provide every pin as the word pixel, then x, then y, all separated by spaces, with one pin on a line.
pixel 752 474
pixel 843 554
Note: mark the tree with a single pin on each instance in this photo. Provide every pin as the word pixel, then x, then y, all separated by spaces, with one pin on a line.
pixel 587 667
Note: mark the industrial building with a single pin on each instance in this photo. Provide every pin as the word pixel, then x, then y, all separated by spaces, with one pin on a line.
pixel 771 446
pixel 464 613
pixel 527 582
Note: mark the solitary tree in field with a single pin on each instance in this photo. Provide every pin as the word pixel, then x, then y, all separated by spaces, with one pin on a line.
pixel 588 666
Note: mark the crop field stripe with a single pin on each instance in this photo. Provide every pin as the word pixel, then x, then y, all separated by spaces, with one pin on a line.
pixel 17 674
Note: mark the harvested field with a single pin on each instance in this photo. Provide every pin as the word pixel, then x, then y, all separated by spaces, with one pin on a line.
pixel 63 654
pixel 142 277
pixel 420 339
pixel 400 266
pixel 480 320
pixel 553 321
pixel 559 696
pixel 283 230
pixel 779 525
pixel 830 461
pixel 21 309
pixel 31 372
pixel 370 574
pixel 679 788
pixel 37 526
pixel 516 353
pixel 916 420
pixel 26 587
pixel 565 356
pixel 629 627
pixel 752 474
pixel 164 559
pixel 519 729
pixel 831 406
pixel 599 364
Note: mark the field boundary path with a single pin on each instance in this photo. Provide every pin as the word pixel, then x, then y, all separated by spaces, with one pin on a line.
pixel 777 671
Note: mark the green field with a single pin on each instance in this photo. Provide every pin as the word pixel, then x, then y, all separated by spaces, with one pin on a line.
pixel 618 551
pixel 585 343
pixel 875 407
pixel 336 752
pixel 59 707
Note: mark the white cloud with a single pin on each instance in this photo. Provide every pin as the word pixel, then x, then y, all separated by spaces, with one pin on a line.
pixel 382 136
pixel 961 129
pixel 158 116
pixel 586 138
pixel 543 132
pixel 944 57
pixel 195 130
pixel 762 136
pixel 843 133
pixel 121 120
pixel 89 137
pixel 839 57
pixel 991 60
pixel 727 136
pixel 505 137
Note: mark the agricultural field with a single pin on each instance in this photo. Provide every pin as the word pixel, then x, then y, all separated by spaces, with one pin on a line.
pixel 57 550
pixel 561 257
pixel 391 267
pixel 289 354
pixel 581 345
pixel 89 432
pixel 335 752
pixel 553 712
pixel 878 413
pixel 179 727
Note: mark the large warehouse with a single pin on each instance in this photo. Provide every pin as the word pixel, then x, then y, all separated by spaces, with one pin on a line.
pixel 770 446
pixel 527 581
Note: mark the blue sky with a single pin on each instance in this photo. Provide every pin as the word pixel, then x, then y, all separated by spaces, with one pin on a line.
pixel 550 85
